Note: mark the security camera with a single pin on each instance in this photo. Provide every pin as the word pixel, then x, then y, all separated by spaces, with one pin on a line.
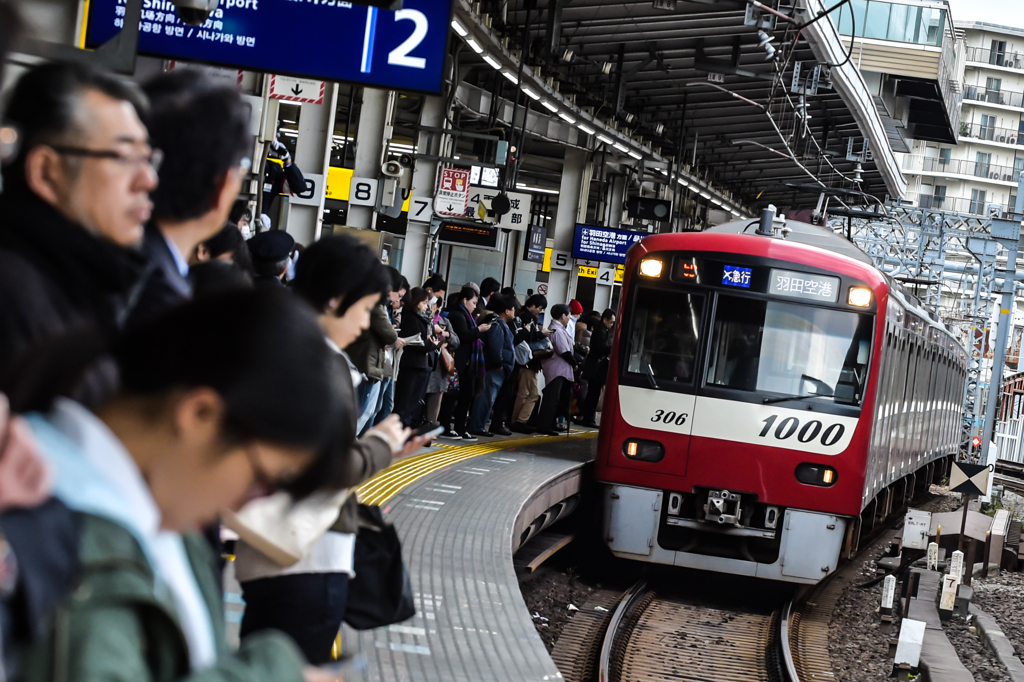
pixel 392 169
pixel 195 12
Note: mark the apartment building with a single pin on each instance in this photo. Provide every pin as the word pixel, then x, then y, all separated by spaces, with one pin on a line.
pixel 980 172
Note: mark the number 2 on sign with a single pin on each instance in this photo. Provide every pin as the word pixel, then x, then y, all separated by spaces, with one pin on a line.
pixel 669 417
pixel 400 55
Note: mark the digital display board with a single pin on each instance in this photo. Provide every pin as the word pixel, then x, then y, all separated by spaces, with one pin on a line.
pixel 536 244
pixel 604 244
pixel 322 39
pixel 803 285
pixel 735 276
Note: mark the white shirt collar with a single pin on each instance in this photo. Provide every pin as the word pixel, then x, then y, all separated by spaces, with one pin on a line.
pixel 111 460
pixel 105 452
pixel 179 260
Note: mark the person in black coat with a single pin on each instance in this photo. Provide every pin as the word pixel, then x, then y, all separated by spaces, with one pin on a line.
pixel 203 129
pixel 414 369
pixel 595 367
pixel 456 404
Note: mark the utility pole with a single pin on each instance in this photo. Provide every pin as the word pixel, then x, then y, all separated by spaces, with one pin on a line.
pixel 1007 233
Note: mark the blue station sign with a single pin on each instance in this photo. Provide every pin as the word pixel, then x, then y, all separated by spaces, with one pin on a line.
pixel 604 244
pixel 321 39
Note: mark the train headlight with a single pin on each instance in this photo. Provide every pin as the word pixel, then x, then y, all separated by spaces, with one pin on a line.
pixel 816 474
pixel 651 267
pixel 860 297
pixel 643 450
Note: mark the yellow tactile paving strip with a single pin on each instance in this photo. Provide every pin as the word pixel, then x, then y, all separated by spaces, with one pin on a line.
pixel 388 483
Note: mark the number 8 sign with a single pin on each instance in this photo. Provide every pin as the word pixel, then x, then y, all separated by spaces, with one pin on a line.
pixel 363 192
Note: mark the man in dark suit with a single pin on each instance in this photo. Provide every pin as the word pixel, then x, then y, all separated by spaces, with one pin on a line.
pixel 499 361
pixel 203 129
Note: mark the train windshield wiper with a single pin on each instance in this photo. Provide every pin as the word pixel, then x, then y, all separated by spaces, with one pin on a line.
pixel 649 371
pixel 770 401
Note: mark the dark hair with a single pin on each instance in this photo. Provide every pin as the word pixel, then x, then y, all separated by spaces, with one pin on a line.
pixel 203 129
pixel 10 29
pixel 488 287
pixel 229 239
pixel 413 299
pixel 339 267
pixel 45 102
pixel 240 210
pixel 501 303
pixel 217 276
pixel 538 301
pixel 466 293
pixel 558 310
pixel 398 283
pixel 436 283
pixel 608 314
pixel 261 350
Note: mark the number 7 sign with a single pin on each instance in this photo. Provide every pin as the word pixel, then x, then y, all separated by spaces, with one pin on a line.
pixel 420 209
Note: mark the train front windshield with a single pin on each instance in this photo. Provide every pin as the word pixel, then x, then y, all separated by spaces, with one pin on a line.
pixel 790 349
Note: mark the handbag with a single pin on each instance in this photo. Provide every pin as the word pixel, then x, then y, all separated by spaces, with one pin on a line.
pixel 381 592
pixel 447 361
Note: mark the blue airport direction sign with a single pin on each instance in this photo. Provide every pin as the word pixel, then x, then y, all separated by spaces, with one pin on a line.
pixel 322 39
pixel 604 244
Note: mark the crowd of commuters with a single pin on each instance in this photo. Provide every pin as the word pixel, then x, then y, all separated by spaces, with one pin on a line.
pixel 162 372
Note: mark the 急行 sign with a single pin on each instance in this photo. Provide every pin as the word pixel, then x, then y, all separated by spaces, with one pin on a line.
pixel 323 39
pixel 603 244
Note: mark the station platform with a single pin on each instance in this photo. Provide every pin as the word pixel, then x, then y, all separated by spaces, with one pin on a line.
pixel 460 510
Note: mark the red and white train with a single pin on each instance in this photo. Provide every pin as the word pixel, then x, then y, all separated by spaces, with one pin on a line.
pixel 771 395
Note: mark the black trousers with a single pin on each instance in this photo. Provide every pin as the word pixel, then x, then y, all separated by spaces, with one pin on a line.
pixel 308 607
pixel 590 401
pixel 410 390
pixel 554 403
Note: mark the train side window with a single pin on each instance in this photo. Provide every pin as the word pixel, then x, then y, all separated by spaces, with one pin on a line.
pixel 665 334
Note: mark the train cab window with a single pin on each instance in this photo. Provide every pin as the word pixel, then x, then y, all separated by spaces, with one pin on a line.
pixel 790 349
pixel 664 335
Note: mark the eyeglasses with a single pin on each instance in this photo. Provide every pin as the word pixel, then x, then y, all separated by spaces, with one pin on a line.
pixel 154 158
pixel 261 478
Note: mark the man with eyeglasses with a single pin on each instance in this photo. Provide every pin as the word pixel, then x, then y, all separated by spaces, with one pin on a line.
pixel 203 128
pixel 75 199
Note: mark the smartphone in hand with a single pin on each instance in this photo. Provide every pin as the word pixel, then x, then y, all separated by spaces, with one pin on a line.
pixel 429 430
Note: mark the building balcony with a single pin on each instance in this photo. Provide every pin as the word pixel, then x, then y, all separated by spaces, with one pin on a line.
pixel 1006 98
pixel 984 56
pixel 957 204
pixel 918 53
pixel 976 131
pixel 968 170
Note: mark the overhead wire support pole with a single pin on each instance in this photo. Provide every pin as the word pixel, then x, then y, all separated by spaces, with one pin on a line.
pixel 1008 233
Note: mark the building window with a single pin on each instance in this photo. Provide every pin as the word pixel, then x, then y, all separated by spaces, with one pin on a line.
pixel 982 165
pixel 977 201
pixel 944 155
pixel 997 55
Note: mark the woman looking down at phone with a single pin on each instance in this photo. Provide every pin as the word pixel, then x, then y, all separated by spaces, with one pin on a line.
pixel 221 400
pixel 343 280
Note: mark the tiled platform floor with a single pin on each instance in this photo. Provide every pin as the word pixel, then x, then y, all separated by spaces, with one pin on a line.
pixel 456 525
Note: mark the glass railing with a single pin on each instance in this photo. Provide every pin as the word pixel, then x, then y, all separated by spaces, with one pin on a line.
pixel 956 204
pixel 890 21
pixel 981 55
pixel 1004 97
pixel 977 131
pixel 974 169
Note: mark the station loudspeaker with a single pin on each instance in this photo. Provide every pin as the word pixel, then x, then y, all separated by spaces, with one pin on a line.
pixel 195 12
pixel 392 169
pixel 644 208
pixel 406 160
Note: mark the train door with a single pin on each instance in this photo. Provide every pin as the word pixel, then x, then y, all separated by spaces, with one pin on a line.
pixel 664 335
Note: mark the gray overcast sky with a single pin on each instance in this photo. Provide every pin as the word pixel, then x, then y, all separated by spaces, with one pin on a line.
pixel 1002 12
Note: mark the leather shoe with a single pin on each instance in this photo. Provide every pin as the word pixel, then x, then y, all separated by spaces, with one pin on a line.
pixel 500 430
pixel 520 427
pixel 482 434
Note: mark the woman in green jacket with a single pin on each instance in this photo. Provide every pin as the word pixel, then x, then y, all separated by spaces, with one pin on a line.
pixel 221 400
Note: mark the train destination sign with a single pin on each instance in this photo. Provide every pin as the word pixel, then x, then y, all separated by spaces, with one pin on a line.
pixel 735 276
pixel 321 39
pixel 803 285
pixel 604 244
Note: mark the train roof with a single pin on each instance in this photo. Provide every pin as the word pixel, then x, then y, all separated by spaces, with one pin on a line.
pixel 802 233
